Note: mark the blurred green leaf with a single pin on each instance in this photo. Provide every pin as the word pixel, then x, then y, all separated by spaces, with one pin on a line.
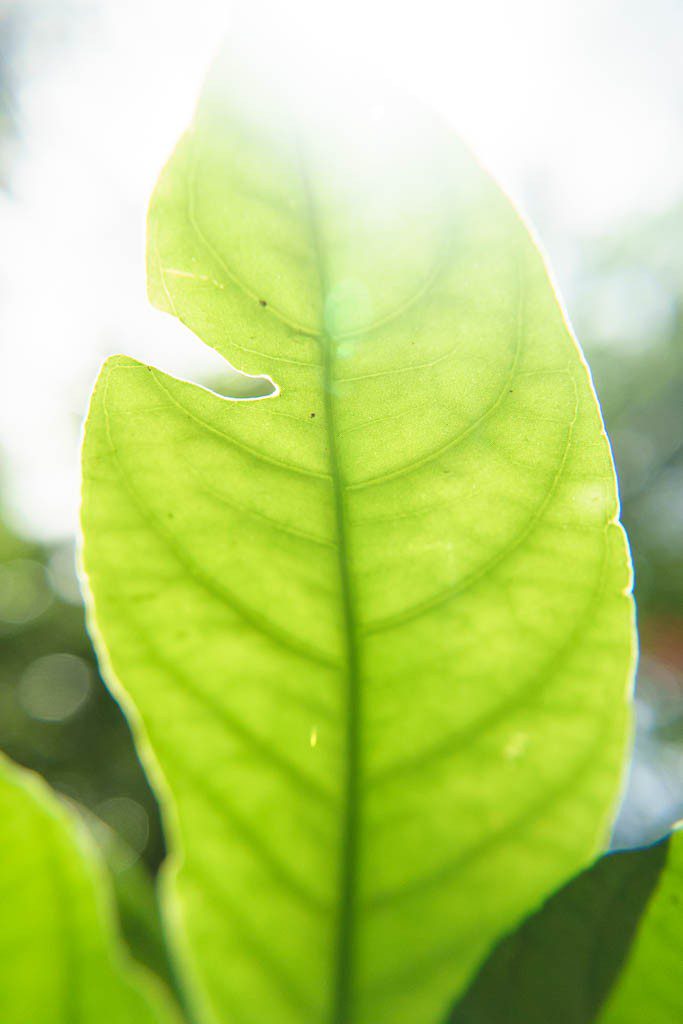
pixel 377 626
pixel 650 989
pixel 607 948
pixel 562 963
pixel 61 961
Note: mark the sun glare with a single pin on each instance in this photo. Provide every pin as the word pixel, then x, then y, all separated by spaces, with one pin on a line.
pixel 580 141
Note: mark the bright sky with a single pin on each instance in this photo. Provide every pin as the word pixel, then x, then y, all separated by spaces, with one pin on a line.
pixel 576 107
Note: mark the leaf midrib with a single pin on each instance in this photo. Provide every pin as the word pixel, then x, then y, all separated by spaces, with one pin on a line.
pixel 345 928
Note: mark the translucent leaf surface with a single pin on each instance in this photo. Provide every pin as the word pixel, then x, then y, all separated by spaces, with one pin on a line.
pixel 61 962
pixel 377 626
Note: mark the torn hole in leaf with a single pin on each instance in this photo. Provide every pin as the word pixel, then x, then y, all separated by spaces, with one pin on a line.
pixel 239 386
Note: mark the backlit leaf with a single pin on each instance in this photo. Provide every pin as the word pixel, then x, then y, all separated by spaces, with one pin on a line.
pixel 377 626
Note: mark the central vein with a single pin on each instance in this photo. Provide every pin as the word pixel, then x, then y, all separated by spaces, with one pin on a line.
pixel 343 955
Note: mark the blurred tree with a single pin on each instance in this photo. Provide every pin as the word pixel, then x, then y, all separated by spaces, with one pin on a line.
pixel 56 716
pixel 629 315
pixel 632 307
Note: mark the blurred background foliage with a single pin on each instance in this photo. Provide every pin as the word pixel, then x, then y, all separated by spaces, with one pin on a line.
pixel 624 285
pixel 629 315
pixel 55 714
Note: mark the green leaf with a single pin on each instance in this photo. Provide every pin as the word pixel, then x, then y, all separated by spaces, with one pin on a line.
pixel 562 963
pixel 606 948
pixel 650 987
pixel 61 961
pixel 377 627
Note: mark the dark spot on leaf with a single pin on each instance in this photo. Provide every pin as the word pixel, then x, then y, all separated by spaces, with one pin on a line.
pixel 312 416
pixel 262 302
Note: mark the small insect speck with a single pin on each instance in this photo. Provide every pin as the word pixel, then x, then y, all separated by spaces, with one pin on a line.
pixel 262 302
pixel 312 416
